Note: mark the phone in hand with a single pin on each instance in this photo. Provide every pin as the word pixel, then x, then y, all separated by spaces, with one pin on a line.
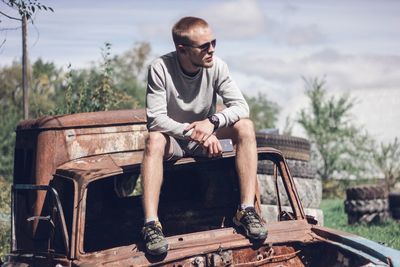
pixel 227 145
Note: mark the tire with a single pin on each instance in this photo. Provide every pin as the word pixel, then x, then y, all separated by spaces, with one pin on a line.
pixel 291 147
pixel 366 192
pixel 394 204
pixel 309 191
pixel 366 206
pixel 368 218
pixel 394 200
pixel 298 168
pixel 395 213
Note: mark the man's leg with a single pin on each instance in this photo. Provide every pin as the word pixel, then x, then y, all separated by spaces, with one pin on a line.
pixel 152 176
pixel 243 136
pixel 246 160
pixel 152 173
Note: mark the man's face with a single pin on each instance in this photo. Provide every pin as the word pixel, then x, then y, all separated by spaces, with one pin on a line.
pixel 201 50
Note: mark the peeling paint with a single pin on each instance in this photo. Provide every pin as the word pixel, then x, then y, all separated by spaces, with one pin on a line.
pixel 88 142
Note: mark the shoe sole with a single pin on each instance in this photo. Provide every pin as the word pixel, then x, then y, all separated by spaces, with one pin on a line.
pixel 239 224
pixel 158 252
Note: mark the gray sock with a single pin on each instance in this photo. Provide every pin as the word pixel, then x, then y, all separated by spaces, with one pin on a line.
pixel 151 219
pixel 244 206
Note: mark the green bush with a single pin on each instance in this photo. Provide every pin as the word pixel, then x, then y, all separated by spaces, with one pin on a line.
pixel 263 112
pixel 5 233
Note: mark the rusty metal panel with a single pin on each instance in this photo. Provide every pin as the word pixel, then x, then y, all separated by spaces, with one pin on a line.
pixel 94 141
pixel 100 166
pixel 55 140
pixel 88 119
pixel 93 167
pixel 188 247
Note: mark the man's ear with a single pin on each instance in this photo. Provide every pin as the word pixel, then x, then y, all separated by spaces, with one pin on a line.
pixel 181 49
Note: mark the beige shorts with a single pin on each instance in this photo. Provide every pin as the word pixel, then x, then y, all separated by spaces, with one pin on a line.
pixel 180 148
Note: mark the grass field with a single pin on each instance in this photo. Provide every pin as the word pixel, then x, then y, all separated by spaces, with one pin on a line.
pixel 387 233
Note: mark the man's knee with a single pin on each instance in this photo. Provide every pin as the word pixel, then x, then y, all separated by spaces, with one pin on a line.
pixel 155 143
pixel 245 129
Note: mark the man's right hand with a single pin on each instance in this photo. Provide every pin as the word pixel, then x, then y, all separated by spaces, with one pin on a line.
pixel 201 130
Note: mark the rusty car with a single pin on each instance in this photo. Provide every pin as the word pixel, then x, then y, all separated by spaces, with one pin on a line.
pixel 76 201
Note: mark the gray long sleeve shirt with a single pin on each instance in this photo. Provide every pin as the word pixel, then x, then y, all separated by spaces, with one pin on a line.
pixel 174 99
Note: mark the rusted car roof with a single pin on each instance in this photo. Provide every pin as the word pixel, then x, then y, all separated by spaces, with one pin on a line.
pixel 88 119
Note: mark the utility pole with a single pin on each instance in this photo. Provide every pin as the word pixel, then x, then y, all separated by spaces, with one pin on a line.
pixel 25 79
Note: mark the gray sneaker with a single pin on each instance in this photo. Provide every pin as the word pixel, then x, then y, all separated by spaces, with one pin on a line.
pixel 252 224
pixel 156 243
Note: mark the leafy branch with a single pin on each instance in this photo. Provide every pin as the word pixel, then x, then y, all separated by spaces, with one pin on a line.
pixel 25 8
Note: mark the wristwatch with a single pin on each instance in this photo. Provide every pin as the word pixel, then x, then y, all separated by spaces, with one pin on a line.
pixel 214 120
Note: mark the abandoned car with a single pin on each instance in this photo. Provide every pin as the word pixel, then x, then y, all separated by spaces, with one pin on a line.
pixel 77 202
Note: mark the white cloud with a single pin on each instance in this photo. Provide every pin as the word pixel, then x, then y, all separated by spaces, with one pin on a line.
pixel 235 19
pixel 344 71
pixel 356 71
pixel 248 19
pixel 304 35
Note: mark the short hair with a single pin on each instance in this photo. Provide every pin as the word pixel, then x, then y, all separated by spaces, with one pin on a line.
pixel 180 31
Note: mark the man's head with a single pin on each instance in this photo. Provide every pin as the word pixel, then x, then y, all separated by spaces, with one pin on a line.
pixel 194 42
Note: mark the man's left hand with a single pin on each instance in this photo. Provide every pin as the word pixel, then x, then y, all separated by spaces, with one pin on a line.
pixel 213 146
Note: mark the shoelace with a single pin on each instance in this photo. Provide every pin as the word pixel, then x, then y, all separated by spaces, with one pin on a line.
pixel 251 218
pixel 153 234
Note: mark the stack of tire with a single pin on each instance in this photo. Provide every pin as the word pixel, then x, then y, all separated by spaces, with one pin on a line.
pixel 394 205
pixel 297 153
pixel 366 204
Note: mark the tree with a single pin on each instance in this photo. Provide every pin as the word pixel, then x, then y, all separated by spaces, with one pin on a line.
pixel 25 9
pixel 387 160
pixel 10 110
pixel 339 147
pixel 5 210
pixel 10 85
pixel 129 72
pixel 45 85
pixel 263 112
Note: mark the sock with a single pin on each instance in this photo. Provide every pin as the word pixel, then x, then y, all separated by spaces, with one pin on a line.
pixel 151 219
pixel 244 206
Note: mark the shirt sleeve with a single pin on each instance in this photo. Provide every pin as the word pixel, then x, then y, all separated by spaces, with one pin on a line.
pixel 156 106
pixel 237 107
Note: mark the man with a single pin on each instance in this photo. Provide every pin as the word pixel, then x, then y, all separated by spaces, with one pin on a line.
pixel 181 109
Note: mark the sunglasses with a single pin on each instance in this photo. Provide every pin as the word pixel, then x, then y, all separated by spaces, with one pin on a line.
pixel 205 46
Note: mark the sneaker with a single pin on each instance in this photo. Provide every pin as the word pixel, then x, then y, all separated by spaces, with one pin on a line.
pixel 251 223
pixel 156 243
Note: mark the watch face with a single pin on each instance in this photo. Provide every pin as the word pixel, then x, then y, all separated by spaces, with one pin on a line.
pixel 214 120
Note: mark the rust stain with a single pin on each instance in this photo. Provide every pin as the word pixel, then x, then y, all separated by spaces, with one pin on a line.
pixel 87 142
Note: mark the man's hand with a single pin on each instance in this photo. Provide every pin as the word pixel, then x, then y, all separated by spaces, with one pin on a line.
pixel 213 146
pixel 201 130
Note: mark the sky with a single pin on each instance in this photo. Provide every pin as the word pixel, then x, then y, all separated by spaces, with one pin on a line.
pixel 270 46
